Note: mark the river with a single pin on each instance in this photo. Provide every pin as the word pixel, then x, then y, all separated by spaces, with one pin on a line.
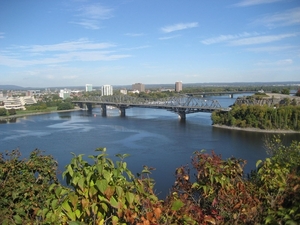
pixel 152 137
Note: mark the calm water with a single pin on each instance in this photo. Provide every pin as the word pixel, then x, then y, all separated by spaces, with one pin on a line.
pixel 152 137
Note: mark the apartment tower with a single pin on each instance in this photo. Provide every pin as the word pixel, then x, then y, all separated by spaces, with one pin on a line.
pixel 106 90
pixel 178 86
pixel 138 87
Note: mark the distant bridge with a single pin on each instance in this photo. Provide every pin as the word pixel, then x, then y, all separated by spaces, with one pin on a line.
pixel 210 93
pixel 180 104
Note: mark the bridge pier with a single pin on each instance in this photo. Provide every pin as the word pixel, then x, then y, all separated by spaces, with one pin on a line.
pixel 231 95
pixel 80 105
pixel 122 111
pixel 89 106
pixel 182 115
pixel 103 110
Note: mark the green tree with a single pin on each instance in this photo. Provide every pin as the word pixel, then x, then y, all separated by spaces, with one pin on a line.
pixel 11 112
pixel 3 112
pixel 65 106
pixel 24 185
pixel 285 91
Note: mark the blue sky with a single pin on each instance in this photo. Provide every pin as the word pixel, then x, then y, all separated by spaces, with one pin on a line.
pixel 74 42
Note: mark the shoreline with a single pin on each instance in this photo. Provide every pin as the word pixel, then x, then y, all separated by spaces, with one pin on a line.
pixel 249 129
pixel 36 113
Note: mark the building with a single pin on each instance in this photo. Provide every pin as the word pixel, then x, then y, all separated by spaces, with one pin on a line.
pixel 138 87
pixel 64 94
pixel 18 102
pixel 106 90
pixel 33 92
pixel 178 86
pixel 123 91
pixel 88 87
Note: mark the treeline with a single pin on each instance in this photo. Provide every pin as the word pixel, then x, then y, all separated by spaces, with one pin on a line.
pixel 101 191
pixel 40 107
pixel 5 112
pixel 154 95
pixel 263 117
pixel 271 89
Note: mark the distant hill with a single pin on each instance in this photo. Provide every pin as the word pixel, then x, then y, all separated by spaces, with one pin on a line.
pixel 10 87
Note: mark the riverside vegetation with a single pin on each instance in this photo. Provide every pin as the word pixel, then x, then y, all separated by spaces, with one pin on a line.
pixel 284 115
pixel 101 191
pixel 47 105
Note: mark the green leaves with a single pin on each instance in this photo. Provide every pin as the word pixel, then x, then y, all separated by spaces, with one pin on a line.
pixel 24 185
pixel 106 192
pixel 177 205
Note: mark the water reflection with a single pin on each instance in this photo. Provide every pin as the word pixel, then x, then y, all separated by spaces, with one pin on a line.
pixel 8 120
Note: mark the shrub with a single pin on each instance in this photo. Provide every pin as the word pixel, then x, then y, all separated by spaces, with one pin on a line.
pixel 24 185
pixel 106 192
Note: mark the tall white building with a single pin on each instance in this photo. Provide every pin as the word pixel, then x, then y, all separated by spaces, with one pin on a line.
pixel 106 90
pixel 88 87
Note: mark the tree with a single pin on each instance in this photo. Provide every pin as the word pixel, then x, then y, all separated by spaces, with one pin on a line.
pixel 12 112
pixel 24 185
pixel 285 91
pixel 65 106
pixel 3 112
pixel 297 93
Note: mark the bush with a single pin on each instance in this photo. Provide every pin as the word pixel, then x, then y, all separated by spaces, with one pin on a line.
pixel 106 192
pixel 12 112
pixel 3 112
pixel 65 106
pixel 24 185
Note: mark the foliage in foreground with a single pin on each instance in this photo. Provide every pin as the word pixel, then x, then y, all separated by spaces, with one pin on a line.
pixel 106 192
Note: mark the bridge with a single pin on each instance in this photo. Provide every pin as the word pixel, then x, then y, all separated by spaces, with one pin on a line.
pixel 230 93
pixel 180 104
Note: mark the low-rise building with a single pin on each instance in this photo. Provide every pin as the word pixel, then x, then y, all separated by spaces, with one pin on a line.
pixel 123 91
pixel 18 102
pixel 64 94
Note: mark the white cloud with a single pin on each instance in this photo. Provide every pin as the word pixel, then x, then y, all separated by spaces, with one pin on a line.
pixel 70 77
pixel 91 15
pixel 81 44
pixel 245 3
pixel 226 38
pixel 179 26
pixel 1 35
pixel 283 62
pixel 261 39
pixel 88 24
pixel 169 37
pixel 95 11
pixel 135 48
pixel 134 34
pixel 271 48
pixel 286 18
pixel 81 50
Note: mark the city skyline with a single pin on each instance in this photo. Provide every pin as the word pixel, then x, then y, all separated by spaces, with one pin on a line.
pixel 78 42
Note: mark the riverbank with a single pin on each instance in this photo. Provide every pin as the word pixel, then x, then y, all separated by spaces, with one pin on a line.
pixel 3 118
pixel 248 129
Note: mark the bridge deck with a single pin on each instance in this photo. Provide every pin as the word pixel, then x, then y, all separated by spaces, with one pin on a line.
pixel 180 104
